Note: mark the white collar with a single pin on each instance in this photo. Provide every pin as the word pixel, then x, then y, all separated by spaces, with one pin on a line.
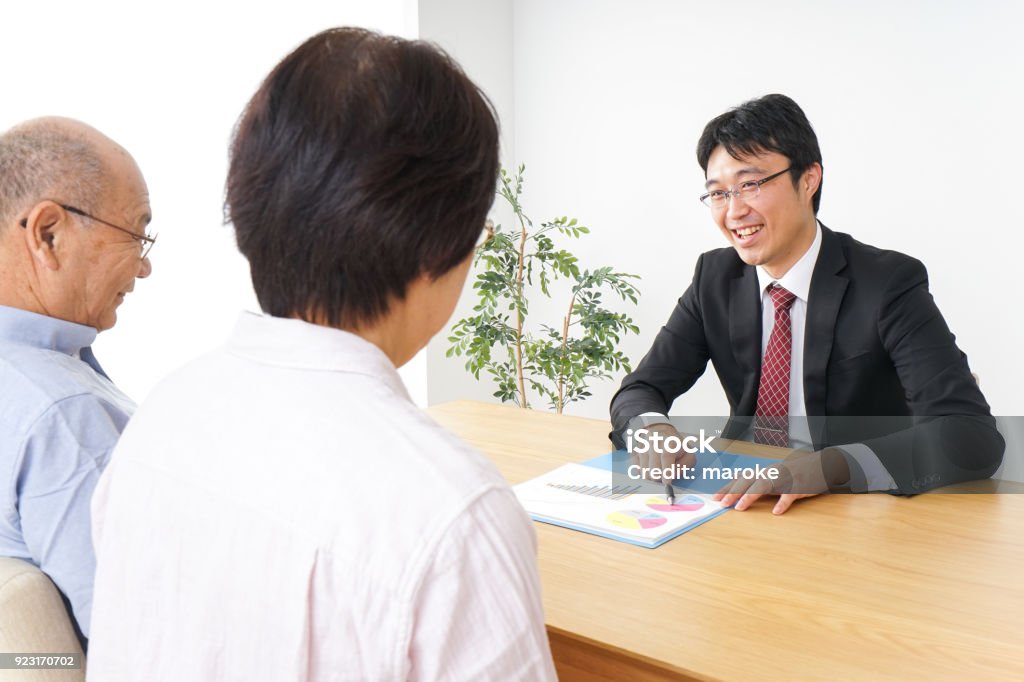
pixel 296 344
pixel 798 279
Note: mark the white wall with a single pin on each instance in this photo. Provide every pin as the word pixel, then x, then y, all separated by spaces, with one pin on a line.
pixel 917 106
pixel 168 81
pixel 478 33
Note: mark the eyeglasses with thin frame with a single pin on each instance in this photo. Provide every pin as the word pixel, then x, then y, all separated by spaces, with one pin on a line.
pixel 145 241
pixel 745 190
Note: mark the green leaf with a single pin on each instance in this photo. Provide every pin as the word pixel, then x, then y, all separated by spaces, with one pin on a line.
pixel 549 360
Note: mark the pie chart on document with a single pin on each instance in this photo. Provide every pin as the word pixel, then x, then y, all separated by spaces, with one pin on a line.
pixel 629 518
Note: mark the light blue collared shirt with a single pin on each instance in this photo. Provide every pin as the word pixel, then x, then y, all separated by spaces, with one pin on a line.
pixel 60 417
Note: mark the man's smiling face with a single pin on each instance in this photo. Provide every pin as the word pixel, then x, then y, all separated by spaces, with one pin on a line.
pixel 776 227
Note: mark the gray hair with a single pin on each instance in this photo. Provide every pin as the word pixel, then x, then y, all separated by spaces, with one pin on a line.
pixel 48 159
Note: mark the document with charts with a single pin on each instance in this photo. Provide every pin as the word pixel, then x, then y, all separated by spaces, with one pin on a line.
pixel 597 501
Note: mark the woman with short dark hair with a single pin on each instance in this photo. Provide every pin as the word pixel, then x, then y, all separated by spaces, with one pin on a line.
pixel 280 509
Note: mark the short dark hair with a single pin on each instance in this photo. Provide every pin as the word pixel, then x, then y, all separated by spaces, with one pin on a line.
pixel 773 123
pixel 362 162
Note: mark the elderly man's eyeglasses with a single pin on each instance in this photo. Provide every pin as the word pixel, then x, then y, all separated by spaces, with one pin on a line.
pixel 745 190
pixel 145 241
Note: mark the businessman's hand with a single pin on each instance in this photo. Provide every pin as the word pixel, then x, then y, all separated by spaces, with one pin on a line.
pixel 802 474
pixel 658 457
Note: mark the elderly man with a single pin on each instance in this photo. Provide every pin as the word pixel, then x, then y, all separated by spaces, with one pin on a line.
pixel 73 214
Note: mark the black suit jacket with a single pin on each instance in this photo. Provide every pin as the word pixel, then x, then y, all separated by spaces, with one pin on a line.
pixel 880 364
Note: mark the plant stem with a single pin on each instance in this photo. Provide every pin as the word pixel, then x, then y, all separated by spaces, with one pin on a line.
pixel 519 315
pixel 565 341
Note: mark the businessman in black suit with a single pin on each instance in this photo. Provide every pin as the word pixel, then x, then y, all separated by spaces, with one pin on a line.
pixel 820 342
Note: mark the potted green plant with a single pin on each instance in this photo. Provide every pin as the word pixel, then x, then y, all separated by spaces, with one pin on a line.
pixel 558 361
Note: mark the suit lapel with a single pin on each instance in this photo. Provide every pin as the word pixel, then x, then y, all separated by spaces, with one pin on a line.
pixel 745 334
pixel 824 301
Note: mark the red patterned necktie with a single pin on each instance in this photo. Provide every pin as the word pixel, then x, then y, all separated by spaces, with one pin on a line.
pixel 771 424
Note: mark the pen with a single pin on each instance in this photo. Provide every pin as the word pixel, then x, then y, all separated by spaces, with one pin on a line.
pixel 670 492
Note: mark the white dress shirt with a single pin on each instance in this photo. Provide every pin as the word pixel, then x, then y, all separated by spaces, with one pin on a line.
pixel 281 510
pixel 797 281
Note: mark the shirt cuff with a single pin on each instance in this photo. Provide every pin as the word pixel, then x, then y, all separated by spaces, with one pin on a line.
pixel 651 418
pixel 876 476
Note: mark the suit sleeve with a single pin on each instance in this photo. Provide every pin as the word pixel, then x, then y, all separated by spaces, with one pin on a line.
pixel 954 437
pixel 677 358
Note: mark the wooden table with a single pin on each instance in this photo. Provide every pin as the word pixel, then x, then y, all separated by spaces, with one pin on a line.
pixel 842 587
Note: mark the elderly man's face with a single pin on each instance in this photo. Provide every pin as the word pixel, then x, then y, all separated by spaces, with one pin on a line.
pixel 107 260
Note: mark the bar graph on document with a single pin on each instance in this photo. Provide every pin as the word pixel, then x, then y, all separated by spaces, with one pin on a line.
pixel 605 492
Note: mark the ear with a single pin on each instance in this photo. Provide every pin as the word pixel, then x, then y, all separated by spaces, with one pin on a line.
pixel 811 180
pixel 46 228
